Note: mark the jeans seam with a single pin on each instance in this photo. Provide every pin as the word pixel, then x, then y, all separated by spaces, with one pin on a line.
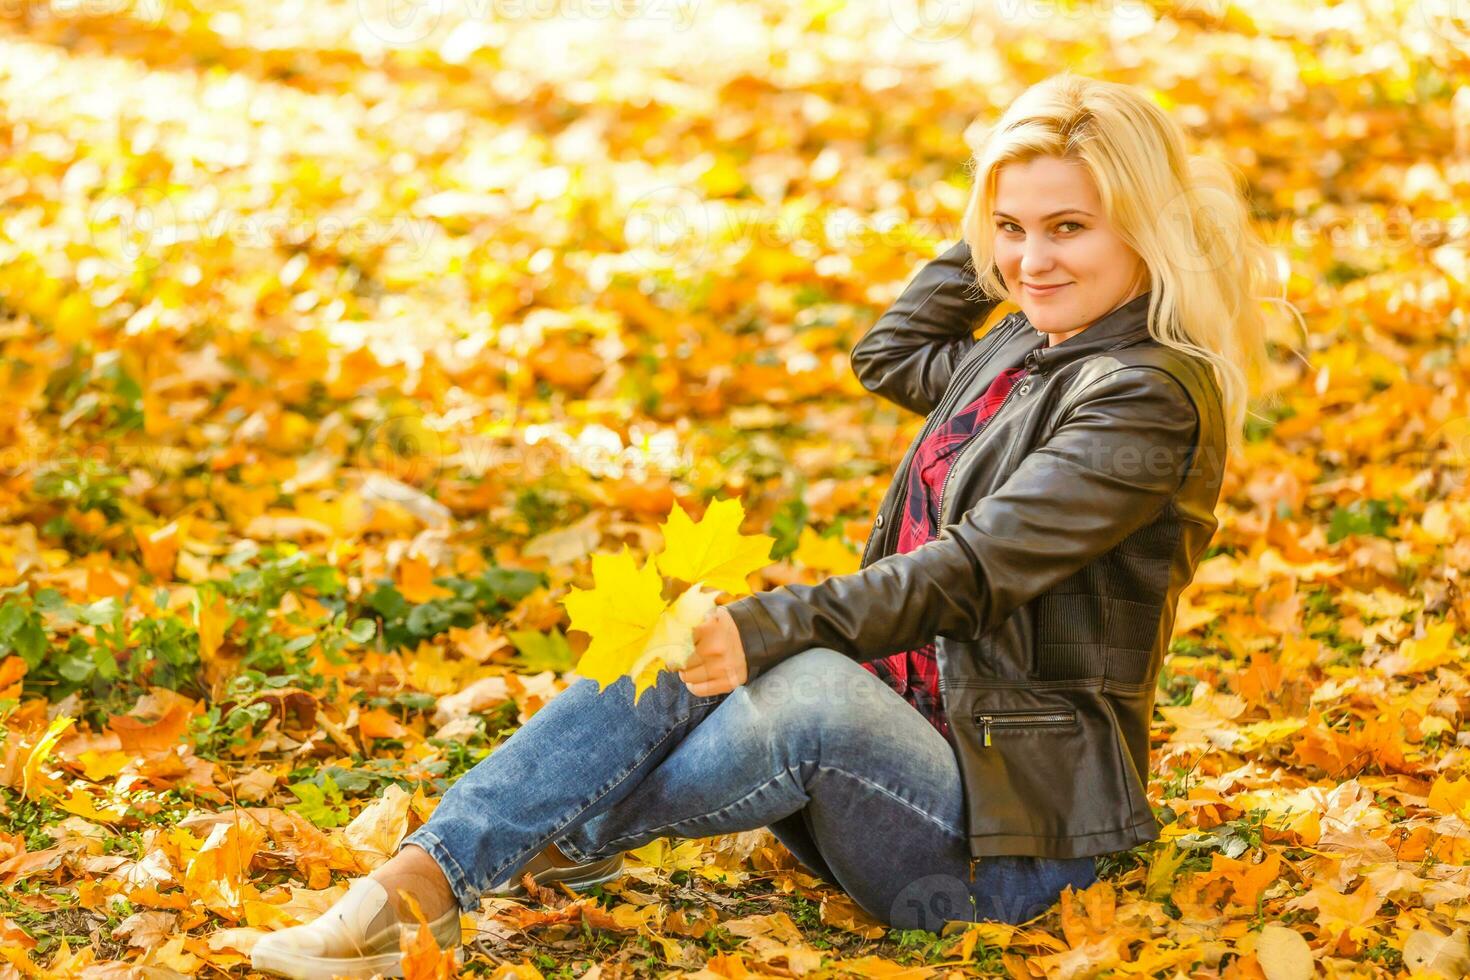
pixel 561 831
pixel 572 850
pixel 664 829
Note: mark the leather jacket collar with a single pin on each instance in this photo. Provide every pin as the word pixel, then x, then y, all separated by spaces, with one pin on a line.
pixel 1125 325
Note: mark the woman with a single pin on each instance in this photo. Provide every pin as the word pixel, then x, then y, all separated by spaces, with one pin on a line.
pixel 1018 589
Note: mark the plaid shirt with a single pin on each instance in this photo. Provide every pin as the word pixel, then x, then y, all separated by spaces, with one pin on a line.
pixel 915 673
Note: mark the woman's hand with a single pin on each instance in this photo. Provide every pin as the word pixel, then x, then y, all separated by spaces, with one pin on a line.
pixel 718 665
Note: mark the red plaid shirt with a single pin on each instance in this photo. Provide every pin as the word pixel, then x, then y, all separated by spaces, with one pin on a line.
pixel 915 673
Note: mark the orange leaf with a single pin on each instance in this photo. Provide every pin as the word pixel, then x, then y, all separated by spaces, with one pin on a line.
pixel 165 720
pixel 160 547
pixel 1088 914
pixel 12 677
pixel 1450 795
pixel 214 620
pixel 416 581
pixel 13 935
pixel 1248 879
pixel 422 957
pixel 378 723
pixel 219 872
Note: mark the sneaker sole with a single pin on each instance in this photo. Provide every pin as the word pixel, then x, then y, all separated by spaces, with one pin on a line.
pixel 575 884
pixel 302 967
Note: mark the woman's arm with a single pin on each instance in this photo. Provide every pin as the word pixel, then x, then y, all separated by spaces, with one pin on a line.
pixel 1113 463
pixel 909 355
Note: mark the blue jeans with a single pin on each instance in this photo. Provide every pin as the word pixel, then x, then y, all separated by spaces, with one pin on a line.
pixel 840 768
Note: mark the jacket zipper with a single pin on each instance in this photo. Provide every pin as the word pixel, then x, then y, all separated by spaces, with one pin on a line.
pixel 1019 389
pixel 1023 387
pixel 955 385
pixel 1022 719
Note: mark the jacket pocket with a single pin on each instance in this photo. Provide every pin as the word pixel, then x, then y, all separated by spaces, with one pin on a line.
pixel 1044 767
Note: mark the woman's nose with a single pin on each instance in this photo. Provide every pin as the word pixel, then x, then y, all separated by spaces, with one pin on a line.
pixel 1036 260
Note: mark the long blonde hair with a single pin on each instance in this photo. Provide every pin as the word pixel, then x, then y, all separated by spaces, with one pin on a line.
pixel 1185 216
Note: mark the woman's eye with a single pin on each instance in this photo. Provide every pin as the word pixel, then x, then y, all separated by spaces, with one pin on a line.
pixel 1008 225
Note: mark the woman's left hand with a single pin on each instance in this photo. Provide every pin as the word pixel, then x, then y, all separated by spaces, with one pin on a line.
pixel 718 664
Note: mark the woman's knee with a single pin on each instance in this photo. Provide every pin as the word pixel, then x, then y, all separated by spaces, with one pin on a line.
pixel 818 684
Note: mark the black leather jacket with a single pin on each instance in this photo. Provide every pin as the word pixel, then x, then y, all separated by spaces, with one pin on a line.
pixel 1069 524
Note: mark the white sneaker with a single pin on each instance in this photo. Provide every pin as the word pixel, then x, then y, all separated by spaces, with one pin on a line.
pixel 357 937
pixel 577 877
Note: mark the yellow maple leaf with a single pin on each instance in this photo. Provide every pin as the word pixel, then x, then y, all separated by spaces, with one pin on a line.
pixel 661 854
pixel 83 806
pixel 713 551
pixel 672 641
pixel 97 765
pixel 1163 869
pixel 34 783
pixel 620 612
pixel 1339 912
pixel 218 874
pixel 1450 795
pixel 1419 656
pixel 635 631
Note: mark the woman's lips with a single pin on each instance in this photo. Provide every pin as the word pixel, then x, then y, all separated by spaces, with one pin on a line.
pixel 1034 291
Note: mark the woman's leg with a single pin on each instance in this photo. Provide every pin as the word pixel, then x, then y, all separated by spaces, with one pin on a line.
pixel 820 738
pixel 581 753
pixel 799 837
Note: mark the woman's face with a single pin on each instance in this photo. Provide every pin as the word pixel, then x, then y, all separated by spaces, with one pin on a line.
pixel 1050 230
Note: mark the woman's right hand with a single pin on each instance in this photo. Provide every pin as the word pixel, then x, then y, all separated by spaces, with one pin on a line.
pixel 718 664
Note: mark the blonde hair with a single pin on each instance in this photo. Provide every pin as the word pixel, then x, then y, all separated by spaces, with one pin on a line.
pixel 1185 216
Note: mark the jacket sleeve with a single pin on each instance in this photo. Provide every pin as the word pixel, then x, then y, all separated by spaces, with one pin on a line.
pixel 910 353
pixel 1111 465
